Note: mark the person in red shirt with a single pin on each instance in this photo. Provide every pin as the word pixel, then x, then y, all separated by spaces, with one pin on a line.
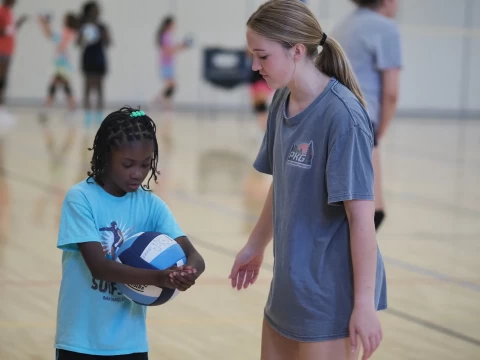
pixel 7 47
pixel 8 27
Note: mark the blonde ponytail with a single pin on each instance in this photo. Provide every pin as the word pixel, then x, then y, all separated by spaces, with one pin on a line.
pixel 332 61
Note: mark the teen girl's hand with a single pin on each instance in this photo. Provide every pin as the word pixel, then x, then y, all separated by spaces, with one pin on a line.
pixel 246 267
pixel 365 326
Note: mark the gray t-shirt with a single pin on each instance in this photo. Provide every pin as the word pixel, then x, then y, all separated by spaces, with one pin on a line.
pixel 372 44
pixel 318 158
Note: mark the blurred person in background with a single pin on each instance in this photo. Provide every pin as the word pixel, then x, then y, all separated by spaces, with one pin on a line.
pixel 94 38
pixel 168 48
pixel 61 78
pixel 8 28
pixel 372 42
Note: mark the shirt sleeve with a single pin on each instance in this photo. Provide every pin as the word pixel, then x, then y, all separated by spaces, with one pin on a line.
pixel 349 172
pixel 77 223
pixel 389 49
pixel 164 221
pixel 264 161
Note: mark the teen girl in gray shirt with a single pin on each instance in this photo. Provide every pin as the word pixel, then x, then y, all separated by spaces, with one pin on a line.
pixel 328 279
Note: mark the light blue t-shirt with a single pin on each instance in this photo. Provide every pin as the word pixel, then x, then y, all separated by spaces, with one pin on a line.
pixel 372 44
pixel 93 317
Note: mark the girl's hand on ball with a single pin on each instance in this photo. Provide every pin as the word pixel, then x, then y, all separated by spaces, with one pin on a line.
pixel 189 269
pixel 165 280
pixel 183 277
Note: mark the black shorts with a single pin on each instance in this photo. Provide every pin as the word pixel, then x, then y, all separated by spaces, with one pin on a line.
pixel 94 69
pixel 69 355
pixel 94 62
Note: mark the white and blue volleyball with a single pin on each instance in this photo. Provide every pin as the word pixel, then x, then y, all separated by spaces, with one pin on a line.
pixel 152 251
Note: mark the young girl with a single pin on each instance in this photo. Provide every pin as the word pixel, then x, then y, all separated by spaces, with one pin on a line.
pixel 61 77
pixel 372 42
pixel 165 42
pixel 94 319
pixel 94 38
pixel 168 49
pixel 63 65
pixel 328 279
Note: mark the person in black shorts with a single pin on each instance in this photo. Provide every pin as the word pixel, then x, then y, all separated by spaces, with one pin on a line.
pixel 94 38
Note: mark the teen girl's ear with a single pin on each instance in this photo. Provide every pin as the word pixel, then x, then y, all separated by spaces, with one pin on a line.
pixel 297 51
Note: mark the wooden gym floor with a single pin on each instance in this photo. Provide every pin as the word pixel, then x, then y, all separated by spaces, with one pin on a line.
pixel 430 240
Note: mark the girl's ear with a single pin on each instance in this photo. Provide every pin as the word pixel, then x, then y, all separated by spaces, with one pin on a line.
pixel 298 51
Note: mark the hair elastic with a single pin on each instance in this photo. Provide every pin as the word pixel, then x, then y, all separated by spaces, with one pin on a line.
pixel 137 113
pixel 324 38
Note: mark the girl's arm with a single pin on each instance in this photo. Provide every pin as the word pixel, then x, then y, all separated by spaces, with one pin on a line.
pixel 363 243
pixel 262 233
pixel 108 270
pixel 364 320
pixel 194 259
pixel 185 276
pixel 390 89
pixel 44 24
pixel 247 263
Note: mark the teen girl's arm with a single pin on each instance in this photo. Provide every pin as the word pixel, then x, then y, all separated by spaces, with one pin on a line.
pixel 363 244
pixel 108 270
pixel 389 62
pixel 263 231
pixel 246 267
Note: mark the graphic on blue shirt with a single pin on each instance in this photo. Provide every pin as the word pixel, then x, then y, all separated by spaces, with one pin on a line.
pixel 301 155
pixel 112 238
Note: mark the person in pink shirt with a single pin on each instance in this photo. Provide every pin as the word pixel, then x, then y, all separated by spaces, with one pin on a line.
pixel 168 49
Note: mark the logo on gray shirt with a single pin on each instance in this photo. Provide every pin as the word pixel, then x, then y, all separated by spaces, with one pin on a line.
pixel 301 155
